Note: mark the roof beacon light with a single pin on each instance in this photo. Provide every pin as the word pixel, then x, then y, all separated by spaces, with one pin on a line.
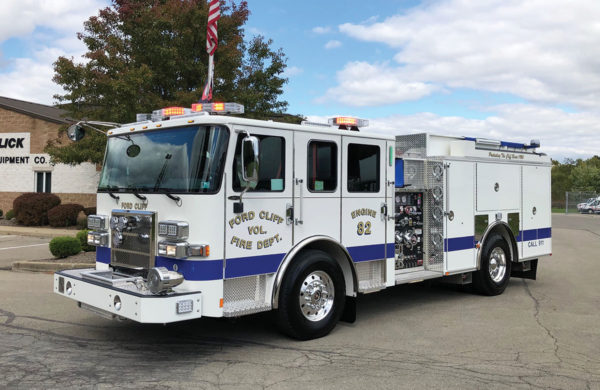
pixel 168 112
pixel 219 108
pixel 348 123
pixel 173 111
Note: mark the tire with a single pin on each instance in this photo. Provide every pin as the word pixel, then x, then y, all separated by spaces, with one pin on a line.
pixel 590 211
pixel 494 272
pixel 306 286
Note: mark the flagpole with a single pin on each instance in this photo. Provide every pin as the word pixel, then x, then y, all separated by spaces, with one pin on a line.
pixel 214 14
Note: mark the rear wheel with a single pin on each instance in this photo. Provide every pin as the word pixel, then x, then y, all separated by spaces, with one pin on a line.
pixel 312 296
pixel 494 273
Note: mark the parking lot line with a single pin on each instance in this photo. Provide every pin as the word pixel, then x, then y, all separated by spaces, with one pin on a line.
pixel 24 246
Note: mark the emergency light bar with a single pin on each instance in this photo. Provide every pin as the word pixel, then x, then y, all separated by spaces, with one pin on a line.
pixel 197 108
pixel 220 108
pixel 345 121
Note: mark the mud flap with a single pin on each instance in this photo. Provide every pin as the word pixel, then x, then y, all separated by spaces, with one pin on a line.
pixel 526 269
pixel 349 314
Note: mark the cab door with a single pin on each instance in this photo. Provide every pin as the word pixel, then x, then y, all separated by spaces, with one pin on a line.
pixel 317 194
pixel 257 238
pixel 363 197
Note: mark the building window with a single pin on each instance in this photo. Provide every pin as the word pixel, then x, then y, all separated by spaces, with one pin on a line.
pixel 322 166
pixel 271 169
pixel 363 168
pixel 43 181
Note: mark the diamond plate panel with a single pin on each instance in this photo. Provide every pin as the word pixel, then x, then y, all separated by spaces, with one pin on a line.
pixel 245 295
pixel 371 275
pixel 411 146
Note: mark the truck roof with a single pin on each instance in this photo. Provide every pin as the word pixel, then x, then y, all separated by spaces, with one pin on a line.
pixel 203 119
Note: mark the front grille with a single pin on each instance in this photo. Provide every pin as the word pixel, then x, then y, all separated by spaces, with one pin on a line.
pixel 132 243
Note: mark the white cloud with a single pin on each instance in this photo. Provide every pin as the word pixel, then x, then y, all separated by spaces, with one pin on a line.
pixel 30 78
pixel 562 134
pixel 364 84
pixel 321 30
pixel 540 50
pixel 20 17
pixel 333 44
pixel 292 71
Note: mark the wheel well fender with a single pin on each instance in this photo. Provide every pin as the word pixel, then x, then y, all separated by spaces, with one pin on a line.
pixel 501 228
pixel 327 245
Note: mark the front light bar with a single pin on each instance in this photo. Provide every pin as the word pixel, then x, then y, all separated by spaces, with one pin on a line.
pixel 181 250
pixel 96 238
pixel 175 230
pixel 97 222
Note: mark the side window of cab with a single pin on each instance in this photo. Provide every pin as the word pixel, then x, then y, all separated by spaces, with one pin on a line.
pixel 271 170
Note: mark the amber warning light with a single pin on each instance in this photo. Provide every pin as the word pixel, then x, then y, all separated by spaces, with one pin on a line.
pixel 348 123
pixel 220 108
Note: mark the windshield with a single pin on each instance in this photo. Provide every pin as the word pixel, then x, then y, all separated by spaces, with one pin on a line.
pixel 185 159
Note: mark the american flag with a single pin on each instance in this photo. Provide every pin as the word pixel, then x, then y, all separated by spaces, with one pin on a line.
pixel 214 14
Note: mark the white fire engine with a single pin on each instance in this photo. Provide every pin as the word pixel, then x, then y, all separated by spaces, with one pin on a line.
pixel 219 216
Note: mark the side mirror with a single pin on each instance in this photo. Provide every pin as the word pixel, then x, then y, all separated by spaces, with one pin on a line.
pixel 250 150
pixel 75 132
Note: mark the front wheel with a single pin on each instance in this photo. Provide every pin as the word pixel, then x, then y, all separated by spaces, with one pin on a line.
pixel 494 273
pixel 312 296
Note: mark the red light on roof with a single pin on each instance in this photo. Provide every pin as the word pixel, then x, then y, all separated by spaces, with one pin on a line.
pixel 196 107
pixel 218 106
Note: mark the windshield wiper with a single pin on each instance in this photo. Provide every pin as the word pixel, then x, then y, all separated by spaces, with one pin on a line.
pixel 167 192
pixel 162 172
pixel 135 191
pixel 109 190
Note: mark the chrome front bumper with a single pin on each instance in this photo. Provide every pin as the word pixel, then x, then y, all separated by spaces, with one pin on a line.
pixel 114 296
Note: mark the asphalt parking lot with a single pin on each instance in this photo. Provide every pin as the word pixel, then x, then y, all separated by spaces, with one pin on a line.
pixel 15 247
pixel 538 334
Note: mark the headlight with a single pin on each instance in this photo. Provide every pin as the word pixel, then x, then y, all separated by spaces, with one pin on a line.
pixel 181 250
pixel 97 238
pixel 173 249
pixel 97 222
pixel 176 230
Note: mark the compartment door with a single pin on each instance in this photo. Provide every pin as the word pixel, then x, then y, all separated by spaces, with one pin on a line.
pixel 536 236
pixel 459 245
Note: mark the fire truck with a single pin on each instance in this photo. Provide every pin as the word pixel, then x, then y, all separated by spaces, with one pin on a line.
pixel 205 215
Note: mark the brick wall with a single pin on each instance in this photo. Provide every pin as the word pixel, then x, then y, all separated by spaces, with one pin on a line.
pixel 41 130
pixel 73 184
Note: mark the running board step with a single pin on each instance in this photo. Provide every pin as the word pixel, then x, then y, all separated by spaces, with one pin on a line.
pixel 417 276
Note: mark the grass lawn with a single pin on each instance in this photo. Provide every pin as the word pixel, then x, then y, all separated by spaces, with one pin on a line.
pixel 558 210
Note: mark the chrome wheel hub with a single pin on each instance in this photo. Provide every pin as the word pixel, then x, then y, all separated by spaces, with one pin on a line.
pixel 497 267
pixel 316 296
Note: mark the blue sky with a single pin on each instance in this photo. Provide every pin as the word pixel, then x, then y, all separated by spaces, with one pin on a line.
pixel 503 69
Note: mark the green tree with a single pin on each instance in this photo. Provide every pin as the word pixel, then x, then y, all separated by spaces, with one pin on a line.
pixel 561 180
pixel 586 175
pixel 147 54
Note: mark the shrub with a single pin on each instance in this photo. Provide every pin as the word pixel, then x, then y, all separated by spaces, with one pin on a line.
pixel 32 208
pixel 10 214
pixel 64 246
pixel 81 220
pixel 82 237
pixel 64 215
pixel 89 210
